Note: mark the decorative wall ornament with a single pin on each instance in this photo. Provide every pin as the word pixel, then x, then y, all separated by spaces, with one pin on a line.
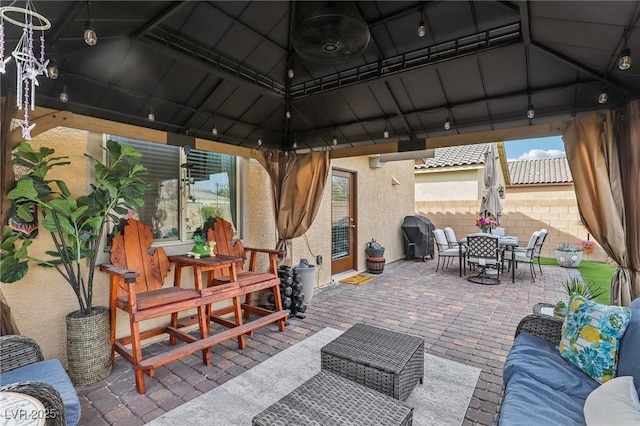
pixel 28 65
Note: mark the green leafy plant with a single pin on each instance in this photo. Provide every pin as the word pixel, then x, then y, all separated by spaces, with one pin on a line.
pixel 582 288
pixel 76 225
pixel 561 304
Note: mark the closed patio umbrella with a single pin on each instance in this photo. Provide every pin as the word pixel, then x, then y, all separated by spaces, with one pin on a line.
pixel 490 198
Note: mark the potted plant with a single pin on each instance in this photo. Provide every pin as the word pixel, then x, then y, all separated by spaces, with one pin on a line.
pixel 581 288
pixel 569 255
pixel 560 309
pixel 588 246
pixel 76 226
pixel 486 224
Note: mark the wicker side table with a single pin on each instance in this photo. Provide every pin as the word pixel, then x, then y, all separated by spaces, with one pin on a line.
pixel 329 399
pixel 383 360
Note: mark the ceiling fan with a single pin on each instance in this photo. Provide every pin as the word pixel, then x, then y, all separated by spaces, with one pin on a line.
pixel 330 34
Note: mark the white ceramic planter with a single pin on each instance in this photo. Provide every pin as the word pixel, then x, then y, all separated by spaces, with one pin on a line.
pixel 569 259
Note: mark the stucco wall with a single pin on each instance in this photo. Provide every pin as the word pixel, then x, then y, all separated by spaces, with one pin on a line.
pixel 525 209
pixel 42 299
pixel 382 207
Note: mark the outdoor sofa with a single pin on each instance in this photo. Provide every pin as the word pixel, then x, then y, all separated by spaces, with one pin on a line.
pixel 24 370
pixel 542 388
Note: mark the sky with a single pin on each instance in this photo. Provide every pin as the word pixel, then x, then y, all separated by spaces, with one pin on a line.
pixel 530 149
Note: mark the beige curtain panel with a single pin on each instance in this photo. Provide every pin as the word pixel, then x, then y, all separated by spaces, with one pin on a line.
pixel 297 183
pixel 603 151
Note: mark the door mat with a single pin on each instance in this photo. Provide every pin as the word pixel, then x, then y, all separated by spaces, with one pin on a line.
pixel 358 279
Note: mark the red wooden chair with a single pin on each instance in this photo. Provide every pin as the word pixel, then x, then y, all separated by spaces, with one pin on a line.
pixel 136 287
pixel 249 278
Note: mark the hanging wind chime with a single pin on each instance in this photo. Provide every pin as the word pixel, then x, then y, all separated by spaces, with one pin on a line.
pixel 28 66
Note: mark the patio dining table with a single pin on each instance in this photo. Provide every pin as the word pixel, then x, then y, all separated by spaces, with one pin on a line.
pixel 505 242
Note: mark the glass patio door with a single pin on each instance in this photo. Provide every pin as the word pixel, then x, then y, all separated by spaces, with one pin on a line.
pixel 343 221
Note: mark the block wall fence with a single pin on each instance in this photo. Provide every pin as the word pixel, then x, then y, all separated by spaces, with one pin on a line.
pixel 519 217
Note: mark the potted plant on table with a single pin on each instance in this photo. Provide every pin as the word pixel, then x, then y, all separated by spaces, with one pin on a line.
pixel 76 226
pixel 486 224
pixel 569 255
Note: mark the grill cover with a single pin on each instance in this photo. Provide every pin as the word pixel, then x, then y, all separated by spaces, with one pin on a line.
pixel 417 234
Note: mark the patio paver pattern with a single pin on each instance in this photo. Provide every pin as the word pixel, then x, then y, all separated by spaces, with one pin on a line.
pixel 459 320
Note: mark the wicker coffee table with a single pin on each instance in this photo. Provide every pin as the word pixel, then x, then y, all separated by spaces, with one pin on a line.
pixel 328 399
pixel 383 360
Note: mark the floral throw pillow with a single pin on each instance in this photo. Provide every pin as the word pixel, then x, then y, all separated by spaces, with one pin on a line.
pixel 591 336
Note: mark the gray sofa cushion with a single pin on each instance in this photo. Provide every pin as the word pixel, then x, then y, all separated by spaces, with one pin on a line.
pixel 537 376
pixel 628 359
pixel 51 372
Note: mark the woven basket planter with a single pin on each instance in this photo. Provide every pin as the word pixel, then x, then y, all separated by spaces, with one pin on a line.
pixel 88 346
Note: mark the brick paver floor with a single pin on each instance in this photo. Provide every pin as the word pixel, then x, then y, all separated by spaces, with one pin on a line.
pixel 459 320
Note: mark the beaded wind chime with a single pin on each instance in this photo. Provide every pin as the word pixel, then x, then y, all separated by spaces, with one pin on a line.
pixel 28 65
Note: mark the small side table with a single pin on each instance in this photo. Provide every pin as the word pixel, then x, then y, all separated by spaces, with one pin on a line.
pixel 19 409
pixel 543 309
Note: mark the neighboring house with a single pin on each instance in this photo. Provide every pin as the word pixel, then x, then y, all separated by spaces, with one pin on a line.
pixel 538 194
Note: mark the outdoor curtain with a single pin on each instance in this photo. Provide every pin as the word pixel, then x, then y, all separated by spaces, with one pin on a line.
pixel 603 151
pixel 297 184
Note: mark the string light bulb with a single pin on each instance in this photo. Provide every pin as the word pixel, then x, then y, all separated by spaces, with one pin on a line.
pixel 52 70
pixel 90 36
pixel 447 124
pixel 625 59
pixel 259 141
pixel 288 114
pixel 151 116
pixel 603 98
pixel 385 134
pixel 422 31
pixel 335 141
pixel 290 73
pixel 64 96
pixel 531 112
pixel 294 145
pixel 214 131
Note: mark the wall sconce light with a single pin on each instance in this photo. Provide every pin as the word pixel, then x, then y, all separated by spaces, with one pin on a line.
pixel 501 191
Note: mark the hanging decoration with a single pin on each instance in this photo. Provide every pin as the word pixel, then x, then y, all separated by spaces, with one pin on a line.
pixel 28 65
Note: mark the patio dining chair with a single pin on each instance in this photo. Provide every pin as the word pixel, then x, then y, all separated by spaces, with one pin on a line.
pixel 483 252
pixel 452 240
pixel 526 254
pixel 538 248
pixel 445 253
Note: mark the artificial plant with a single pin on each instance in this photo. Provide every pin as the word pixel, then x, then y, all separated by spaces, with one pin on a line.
pixel 76 225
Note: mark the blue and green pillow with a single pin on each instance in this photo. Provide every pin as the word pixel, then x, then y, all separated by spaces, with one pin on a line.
pixel 591 336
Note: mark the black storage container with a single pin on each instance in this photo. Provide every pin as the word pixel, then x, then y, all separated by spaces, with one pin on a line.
pixel 417 234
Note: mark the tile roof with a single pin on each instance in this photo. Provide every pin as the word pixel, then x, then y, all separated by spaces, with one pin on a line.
pixel 543 170
pixel 455 156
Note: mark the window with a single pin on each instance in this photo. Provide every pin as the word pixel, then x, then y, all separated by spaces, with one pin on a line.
pixel 185 190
